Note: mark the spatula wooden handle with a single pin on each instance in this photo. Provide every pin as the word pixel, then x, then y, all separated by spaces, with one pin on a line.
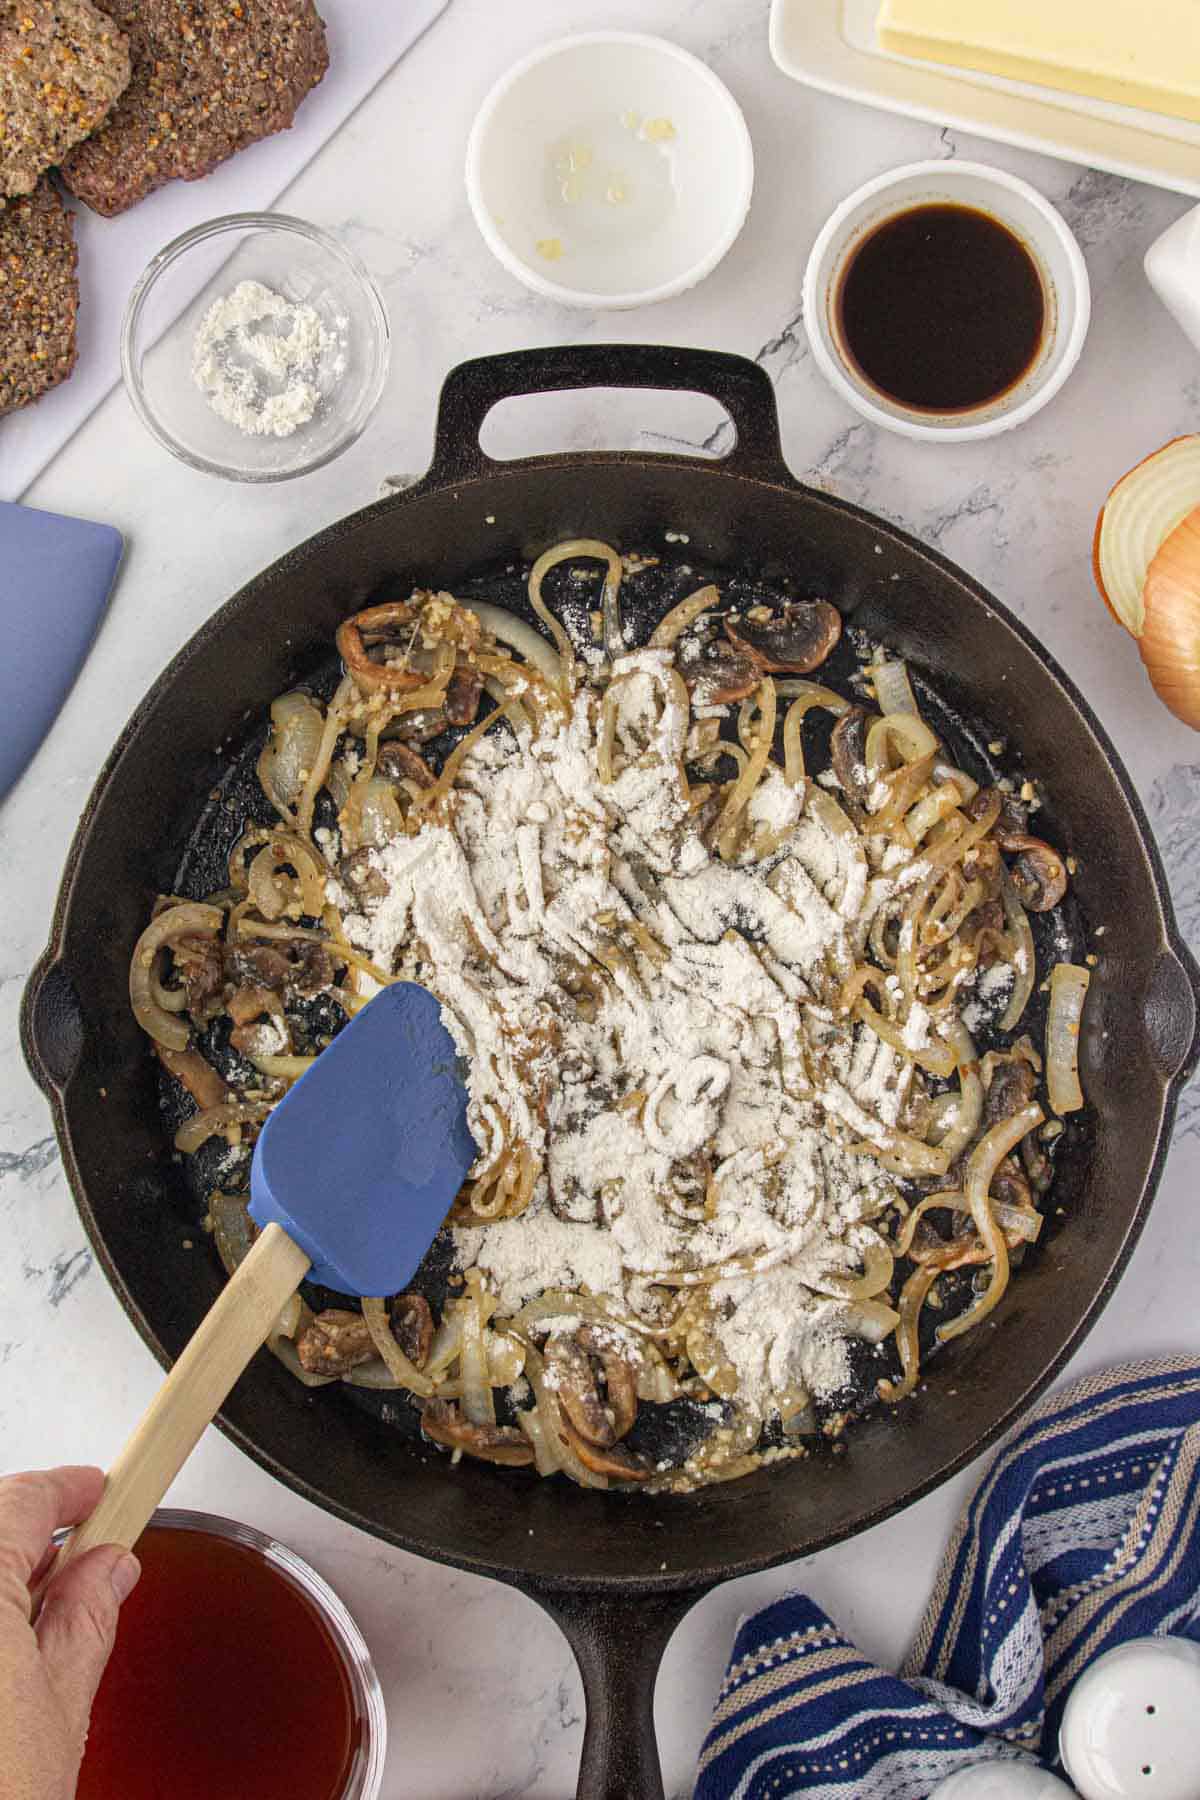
pixel 193 1393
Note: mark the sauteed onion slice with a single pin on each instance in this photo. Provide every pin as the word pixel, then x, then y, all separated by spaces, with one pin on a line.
pixel 1068 991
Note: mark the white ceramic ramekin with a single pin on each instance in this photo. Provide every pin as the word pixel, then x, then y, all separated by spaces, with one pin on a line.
pixel 610 170
pixel 1040 228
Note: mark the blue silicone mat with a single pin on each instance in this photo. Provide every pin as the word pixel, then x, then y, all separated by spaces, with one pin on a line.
pixel 55 578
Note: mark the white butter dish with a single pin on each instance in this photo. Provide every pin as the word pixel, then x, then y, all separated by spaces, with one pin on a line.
pixel 831 45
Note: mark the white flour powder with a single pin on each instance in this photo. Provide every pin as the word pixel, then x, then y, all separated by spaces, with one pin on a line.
pixel 686 1078
pixel 264 363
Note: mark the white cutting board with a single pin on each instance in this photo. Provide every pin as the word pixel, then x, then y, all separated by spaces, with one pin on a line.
pixel 366 39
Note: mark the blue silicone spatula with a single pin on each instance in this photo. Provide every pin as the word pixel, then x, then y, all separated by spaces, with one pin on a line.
pixel 352 1176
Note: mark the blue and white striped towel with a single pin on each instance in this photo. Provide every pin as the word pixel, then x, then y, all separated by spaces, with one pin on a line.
pixel 1084 1532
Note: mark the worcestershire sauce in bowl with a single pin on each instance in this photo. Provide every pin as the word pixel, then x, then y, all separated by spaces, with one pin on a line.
pixel 941 308
pixel 225 1684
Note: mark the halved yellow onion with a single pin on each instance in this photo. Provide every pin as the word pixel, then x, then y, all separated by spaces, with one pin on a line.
pixel 1170 636
pixel 1142 510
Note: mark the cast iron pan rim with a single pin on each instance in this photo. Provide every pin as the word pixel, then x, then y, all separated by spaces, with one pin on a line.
pixel 461 489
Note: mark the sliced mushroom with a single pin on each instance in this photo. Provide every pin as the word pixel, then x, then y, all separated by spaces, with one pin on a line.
pixel 848 754
pixel 1009 1185
pixel 1011 1087
pixel 460 707
pixel 442 1421
pixel 1012 824
pixel 791 641
pixel 396 645
pixel 1038 874
pixel 247 1007
pixel 982 863
pixel 334 1342
pixel 394 626
pixel 290 966
pixel 312 968
pixel 247 1004
pixel 613 1460
pixel 199 963
pixel 257 965
pixel 570 1375
pixel 462 696
pixel 197 1075
pixel 706 815
pixel 360 873
pixel 620 1376
pixel 717 673
pixel 687 1187
pixel 987 916
pixel 419 726
pixel 412 1327
pixel 1038 1165
pixel 398 762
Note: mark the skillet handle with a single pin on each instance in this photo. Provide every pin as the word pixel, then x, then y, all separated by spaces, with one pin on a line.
pixel 618 1640
pixel 472 389
pixel 52 1031
pixel 1172 1013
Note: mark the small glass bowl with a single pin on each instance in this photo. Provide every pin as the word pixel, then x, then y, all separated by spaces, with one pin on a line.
pixel 365 1779
pixel 304 264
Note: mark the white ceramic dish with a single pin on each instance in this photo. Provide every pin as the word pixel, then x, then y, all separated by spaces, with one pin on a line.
pixel 610 170
pixel 1172 267
pixel 1040 228
pixel 830 44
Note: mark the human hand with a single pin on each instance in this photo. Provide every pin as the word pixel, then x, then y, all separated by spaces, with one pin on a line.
pixel 49 1672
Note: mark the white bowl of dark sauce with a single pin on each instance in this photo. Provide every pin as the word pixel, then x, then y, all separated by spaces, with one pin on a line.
pixel 947 301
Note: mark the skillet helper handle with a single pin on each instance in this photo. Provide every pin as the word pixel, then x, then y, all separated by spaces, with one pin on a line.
pixel 193 1393
pixel 52 1029
pixel 618 1643
pixel 1172 1013
pixel 472 389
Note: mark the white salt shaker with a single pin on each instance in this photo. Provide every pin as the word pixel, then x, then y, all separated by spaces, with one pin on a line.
pixel 1001 1781
pixel 1173 271
pixel 1131 1725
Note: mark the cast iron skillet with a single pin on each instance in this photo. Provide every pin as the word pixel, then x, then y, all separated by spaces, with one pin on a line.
pixel 616 1572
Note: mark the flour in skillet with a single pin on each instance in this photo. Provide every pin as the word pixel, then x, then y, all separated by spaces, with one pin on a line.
pixel 668 1103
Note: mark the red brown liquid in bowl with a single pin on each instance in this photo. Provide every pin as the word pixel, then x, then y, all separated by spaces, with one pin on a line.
pixel 941 308
pixel 225 1684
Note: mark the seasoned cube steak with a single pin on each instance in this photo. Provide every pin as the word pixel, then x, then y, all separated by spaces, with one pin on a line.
pixel 62 64
pixel 39 296
pixel 209 77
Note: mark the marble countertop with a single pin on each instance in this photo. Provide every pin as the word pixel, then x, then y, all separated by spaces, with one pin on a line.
pixel 483 1697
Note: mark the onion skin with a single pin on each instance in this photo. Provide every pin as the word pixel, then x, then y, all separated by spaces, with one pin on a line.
pixel 1170 640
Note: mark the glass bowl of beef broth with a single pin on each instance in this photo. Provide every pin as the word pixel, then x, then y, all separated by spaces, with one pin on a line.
pixel 946 301
pixel 237 1671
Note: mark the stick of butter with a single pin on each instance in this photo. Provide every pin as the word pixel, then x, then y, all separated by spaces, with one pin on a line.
pixel 1122 50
